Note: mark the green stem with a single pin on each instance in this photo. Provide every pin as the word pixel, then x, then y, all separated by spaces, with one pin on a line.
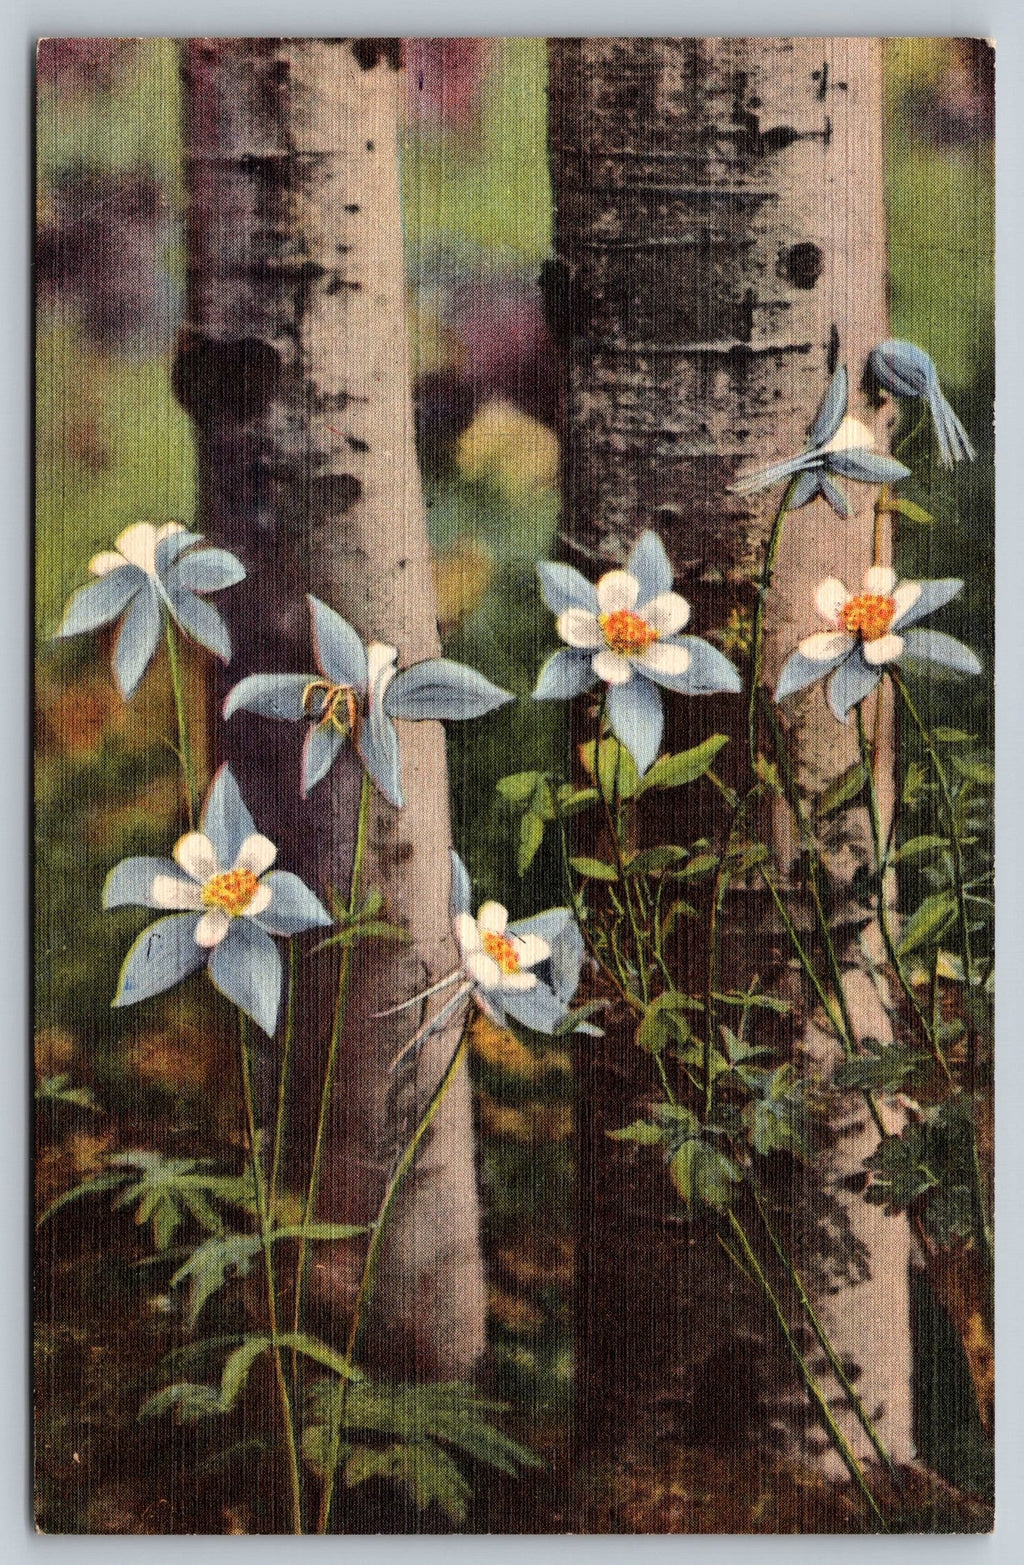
pixel 620 863
pixel 373 1252
pixel 263 1213
pixel 757 654
pixel 184 747
pixel 282 1083
pixel 313 1190
pixel 814 1391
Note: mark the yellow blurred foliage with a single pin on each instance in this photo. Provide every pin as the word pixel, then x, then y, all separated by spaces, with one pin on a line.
pixel 527 1123
pixel 517 1315
pixel 462 574
pixel 55 1049
pixel 509 449
pixel 498 1047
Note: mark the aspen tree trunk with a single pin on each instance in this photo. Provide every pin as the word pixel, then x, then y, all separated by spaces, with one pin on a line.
pixel 294 366
pixel 720 241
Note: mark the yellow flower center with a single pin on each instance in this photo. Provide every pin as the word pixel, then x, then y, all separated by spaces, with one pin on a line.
pixel 626 633
pixel 232 891
pixel 869 613
pixel 501 950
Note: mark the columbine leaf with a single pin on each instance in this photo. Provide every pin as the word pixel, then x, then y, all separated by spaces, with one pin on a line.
pixel 616 770
pixel 929 922
pixel 206 1269
pixel 673 771
pixel 701 1173
pixel 594 869
pixel 843 790
pixel 518 787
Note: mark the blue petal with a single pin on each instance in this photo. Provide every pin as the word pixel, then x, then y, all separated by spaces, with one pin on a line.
pixel 549 925
pixel 201 621
pixel 934 595
pixel 164 954
pixel 852 681
pixel 379 746
pixel 339 651
pixel 558 927
pixel 939 648
pixel 246 968
pixel 834 495
pixel 866 467
pixel 461 900
pixel 765 477
pixel 322 747
pixel 137 640
pixel 954 443
pixel 649 563
pixel 902 368
pixel 130 883
pixel 168 549
pixel 293 907
pixel 562 587
pixel 635 715
pixel 798 672
pixel 709 671
pixel 226 821
pixel 536 1008
pixel 832 410
pixel 806 488
pixel 565 674
pixel 441 689
pixel 101 601
pixel 273 695
pixel 204 570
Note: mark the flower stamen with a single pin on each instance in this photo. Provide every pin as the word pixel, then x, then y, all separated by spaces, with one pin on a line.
pixel 500 949
pixel 231 891
pixel 626 633
pixel 334 697
pixel 869 613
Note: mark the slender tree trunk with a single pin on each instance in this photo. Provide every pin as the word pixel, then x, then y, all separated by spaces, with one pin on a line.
pixel 720 241
pixel 294 365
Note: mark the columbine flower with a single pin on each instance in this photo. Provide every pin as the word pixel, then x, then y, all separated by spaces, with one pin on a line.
pixel 227 901
pixel 356 691
pixel 150 569
pixel 836 444
pixel 907 371
pixel 869 630
pixel 625 631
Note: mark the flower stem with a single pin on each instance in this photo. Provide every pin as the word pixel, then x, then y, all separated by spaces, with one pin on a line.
pixel 613 832
pixel 341 1003
pixel 757 654
pixel 264 1217
pixel 282 1084
pixel 369 1276
pixel 184 747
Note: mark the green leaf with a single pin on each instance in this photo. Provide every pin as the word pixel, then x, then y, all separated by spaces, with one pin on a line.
pixel 518 788
pixel 768 773
pixel 207 1268
pixel 843 790
pixel 951 736
pixel 917 847
pixel 95 1186
pixel 571 800
pixel 663 1022
pixel 372 929
pixel 188 1401
pixel 57 1089
pixel 703 864
pixel 616 773
pixel 774 1117
pixel 320 1353
pixel 654 861
pixel 973 770
pixel 915 785
pixel 594 869
pixel 531 835
pixel 672 771
pixel 929 922
pixel 236 1369
pixel 641 1131
pixel 426 1471
pixel 702 1173
pixel 907 508
pixel 886 1067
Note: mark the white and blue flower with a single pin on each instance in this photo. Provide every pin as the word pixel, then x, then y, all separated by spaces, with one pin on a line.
pixel 224 902
pixel 837 446
pixel 149 571
pixel 868 631
pixel 356 692
pixel 907 371
pixel 625 631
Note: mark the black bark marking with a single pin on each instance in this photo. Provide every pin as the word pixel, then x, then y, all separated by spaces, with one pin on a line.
pixel 240 379
pixel 355 444
pixel 368 52
pixel 337 283
pixel 333 494
pixel 353 206
pixel 801 265
pixel 833 348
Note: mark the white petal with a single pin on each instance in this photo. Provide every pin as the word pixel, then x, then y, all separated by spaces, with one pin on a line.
pixel 197 856
pixel 380 669
pixel 617 590
pixel 905 596
pixel 168 530
pixel 212 927
pixel 169 891
pixel 466 933
pixel 138 545
pixel 486 973
pixel 880 579
pixel 518 980
pixel 579 628
pixel 258 902
pixel 885 650
pixel 492 917
pixel 103 564
pixel 851 435
pixel 611 668
pixel 530 949
pixel 665 658
pixel 256 853
pixel 830 598
pixel 667 613
pixel 825 644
